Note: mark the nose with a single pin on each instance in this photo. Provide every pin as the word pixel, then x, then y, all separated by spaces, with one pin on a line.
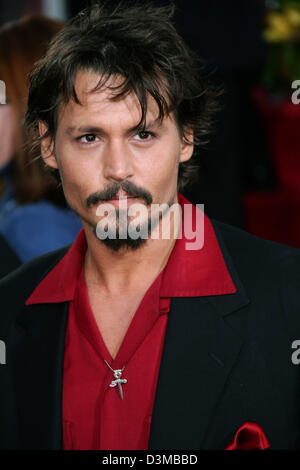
pixel 117 161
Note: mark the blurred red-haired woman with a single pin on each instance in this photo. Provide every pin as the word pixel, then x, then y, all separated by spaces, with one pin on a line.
pixel 34 218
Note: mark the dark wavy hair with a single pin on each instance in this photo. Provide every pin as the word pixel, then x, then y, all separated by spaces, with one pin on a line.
pixel 140 43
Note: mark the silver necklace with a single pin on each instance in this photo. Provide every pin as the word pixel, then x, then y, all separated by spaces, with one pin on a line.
pixel 119 381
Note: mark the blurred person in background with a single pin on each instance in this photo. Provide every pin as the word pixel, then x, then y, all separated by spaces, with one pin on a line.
pixel 228 36
pixel 34 218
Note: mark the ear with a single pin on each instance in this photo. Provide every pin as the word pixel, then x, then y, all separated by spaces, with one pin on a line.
pixel 47 147
pixel 187 145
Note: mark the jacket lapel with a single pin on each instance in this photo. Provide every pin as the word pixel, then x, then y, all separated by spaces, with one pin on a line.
pixel 200 350
pixel 199 353
pixel 37 353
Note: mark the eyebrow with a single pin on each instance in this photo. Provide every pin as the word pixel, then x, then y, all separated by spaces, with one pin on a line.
pixel 98 130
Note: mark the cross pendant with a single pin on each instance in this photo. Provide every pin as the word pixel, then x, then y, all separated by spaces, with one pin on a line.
pixel 118 381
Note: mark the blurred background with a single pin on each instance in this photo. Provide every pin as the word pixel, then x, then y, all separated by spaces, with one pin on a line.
pixel 250 171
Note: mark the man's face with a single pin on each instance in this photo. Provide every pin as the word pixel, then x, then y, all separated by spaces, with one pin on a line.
pixel 101 156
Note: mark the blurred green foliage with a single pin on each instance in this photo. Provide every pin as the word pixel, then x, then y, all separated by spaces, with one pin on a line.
pixel 282 34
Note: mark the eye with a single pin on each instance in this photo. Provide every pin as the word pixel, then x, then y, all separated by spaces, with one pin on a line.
pixel 144 135
pixel 87 138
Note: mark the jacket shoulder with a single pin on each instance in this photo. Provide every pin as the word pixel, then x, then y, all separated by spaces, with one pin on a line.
pixel 269 271
pixel 255 252
pixel 18 285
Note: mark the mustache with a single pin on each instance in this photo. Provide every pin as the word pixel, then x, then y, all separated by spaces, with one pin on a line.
pixel 111 191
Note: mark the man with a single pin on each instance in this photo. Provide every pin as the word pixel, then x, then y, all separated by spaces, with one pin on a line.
pixel 130 339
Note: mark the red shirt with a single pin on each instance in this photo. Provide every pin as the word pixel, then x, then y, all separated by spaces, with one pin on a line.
pixel 94 415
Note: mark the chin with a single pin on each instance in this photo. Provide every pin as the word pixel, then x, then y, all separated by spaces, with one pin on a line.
pixel 121 245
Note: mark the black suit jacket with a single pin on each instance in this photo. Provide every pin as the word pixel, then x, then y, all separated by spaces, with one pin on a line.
pixel 9 261
pixel 226 359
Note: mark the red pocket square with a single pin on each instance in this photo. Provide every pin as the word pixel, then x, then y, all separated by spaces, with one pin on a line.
pixel 249 436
